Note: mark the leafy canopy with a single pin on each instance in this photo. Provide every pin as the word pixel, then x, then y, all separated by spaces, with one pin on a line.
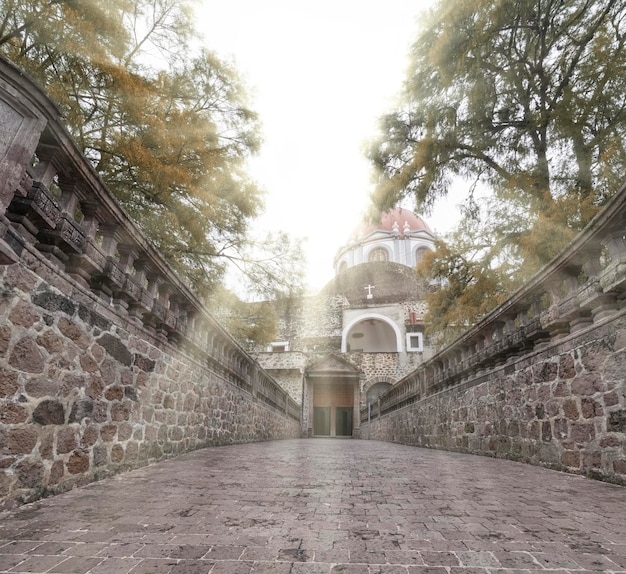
pixel 522 98
pixel 168 127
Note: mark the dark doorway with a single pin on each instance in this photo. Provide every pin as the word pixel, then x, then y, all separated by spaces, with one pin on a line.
pixel 343 421
pixel 321 422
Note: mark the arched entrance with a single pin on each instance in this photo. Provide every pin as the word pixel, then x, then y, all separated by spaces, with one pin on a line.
pixel 371 333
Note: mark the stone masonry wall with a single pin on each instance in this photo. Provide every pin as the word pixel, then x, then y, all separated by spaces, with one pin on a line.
pixel 563 407
pixel 86 392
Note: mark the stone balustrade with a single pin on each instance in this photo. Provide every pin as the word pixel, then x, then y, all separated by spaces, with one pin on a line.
pixel 540 378
pixel 585 284
pixel 107 360
pixel 51 199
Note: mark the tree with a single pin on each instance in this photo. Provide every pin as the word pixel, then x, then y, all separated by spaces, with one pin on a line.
pixel 524 98
pixel 471 276
pixel 167 127
pixel 252 324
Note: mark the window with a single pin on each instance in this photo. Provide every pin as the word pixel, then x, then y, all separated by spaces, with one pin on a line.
pixel 278 347
pixel 414 342
pixel 419 254
pixel 378 254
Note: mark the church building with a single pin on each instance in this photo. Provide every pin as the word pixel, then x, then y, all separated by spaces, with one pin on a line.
pixel 339 350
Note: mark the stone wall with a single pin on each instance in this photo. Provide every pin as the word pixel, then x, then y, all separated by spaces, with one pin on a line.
pixel 107 361
pixel 85 392
pixel 561 407
pixel 541 378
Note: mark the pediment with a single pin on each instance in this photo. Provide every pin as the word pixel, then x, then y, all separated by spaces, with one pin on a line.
pixel 332 365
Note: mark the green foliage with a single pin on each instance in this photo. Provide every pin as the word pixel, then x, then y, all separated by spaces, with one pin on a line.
pixel 252 324
pixel 168 128
pixel 524 99
pixel 470 278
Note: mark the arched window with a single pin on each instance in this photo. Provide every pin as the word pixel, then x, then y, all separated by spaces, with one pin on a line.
pixel 378 254
pixel 419 254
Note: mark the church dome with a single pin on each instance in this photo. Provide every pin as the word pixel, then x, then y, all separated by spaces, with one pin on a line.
pixel 395 219
pixel 399 236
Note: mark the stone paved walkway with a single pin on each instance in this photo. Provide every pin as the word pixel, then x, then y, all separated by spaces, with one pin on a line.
pixel 324 506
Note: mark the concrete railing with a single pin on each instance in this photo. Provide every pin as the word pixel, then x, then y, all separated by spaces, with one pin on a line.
pixel 76 269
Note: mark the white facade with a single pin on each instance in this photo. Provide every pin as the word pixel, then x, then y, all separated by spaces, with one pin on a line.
pixel 401 237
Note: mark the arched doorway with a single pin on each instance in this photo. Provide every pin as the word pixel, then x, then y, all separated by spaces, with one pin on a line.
pixel 371 333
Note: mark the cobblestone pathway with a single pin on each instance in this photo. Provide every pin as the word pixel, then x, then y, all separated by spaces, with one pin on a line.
pixel 324 506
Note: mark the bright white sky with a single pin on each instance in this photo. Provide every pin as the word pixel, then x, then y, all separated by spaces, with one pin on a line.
pixel 320 73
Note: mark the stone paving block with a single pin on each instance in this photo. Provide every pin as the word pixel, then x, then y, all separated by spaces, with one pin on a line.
pixel 19 547
pixel 154 566
pixel 232 567
pixel 516 559
pixel 8 561
pixel 192 567
pixel 121 550
pixel 272 568
pixel 39 563
pixel 478 559
pixel 440 558
pixel 392 511
pixel 115 566
pixel 311 568
pixel 76 565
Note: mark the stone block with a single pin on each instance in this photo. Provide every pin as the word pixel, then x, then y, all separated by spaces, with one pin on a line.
pixel 78 462
pixel 100 411
pixel 545 372
pixel 51 342
pixel 46 443
pixel 67 440
pixel 570 409
pixel 582 433
pixel 8 383
pixel 23 315
pixel 95 388
pixel 567 367
pixel 116 349
pixel 117 453
pixel 100 455
pixel 41 387
pixel 90 436
pixel 619 466
pixel 88 364
pixel 21 278
pixel 57 471
pixel 571 459
pixel 108 432
pixel 12 413
pixel 617 421
pixel 114 393
pixel 124 431
pixel 49 412
pixel 54 302
pixel 132 452
pixel 26 356
pixel 73 332
pixel 81 409
pixel 30 473
pixel 586 385
pixel 121 411
pixel 5 339
pixel 20 441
